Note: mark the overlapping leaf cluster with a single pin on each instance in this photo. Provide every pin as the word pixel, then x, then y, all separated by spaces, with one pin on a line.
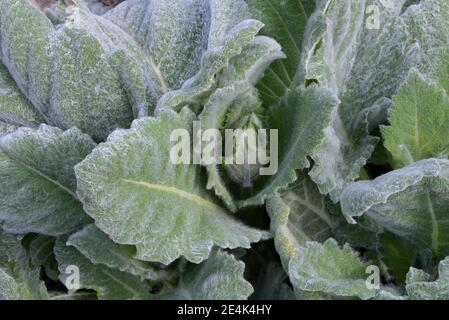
pixel 358 91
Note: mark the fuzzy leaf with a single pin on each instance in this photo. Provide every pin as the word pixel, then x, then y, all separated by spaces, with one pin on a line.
pixel 25 43
pixel 411 202
pixel 420 287
pixel 139 197
pixel 300 122
pixel 15 109
pixel 87 73
pixel 176 33
pixel 250 65
pixel 18 280
pixel 109 283
pixel 102 80
pixel 236 97
pixel 427 22
pixel 191 42
pixel 419 122
pixel 37 180
pixel 195 90
pixel 218 278
pixel 301 214
pixel 298 215
pixel 347 51
pixel 327 269
pixel 99 249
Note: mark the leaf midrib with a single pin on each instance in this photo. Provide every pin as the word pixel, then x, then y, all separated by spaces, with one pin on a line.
pixel 43 175
pixel 134 292
pixel 178 192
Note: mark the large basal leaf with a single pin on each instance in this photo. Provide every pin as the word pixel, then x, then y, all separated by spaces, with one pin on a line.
pixel 300 121
pixel 100 249
pixel 139 197
pixel 285 21
pixel 301 214
pixel 191 42
pixel 412 202
pixel 342 60
pixel 110 284
pixel 419 122
pixel 101 78
pixel 327 269
pixel 25 44
pixel 18 280
pixel 176 33
pixel 220 277
pixel 15 109
pixel 419 285
pixel 86 73
pixel 37 180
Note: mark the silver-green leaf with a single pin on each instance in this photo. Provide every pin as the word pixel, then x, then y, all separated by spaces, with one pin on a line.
pixel 18 279
pixel 301 120
pixel 110 284
pixel 177 33
pixel 327 269
pixel 420 287
pixel 15 109
pixel 419 122
pixel 220 277
pixel 37 180
pixel 100 249
pixel 412 202
pixel 87 72
pixel 342 60
pixel 137 196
